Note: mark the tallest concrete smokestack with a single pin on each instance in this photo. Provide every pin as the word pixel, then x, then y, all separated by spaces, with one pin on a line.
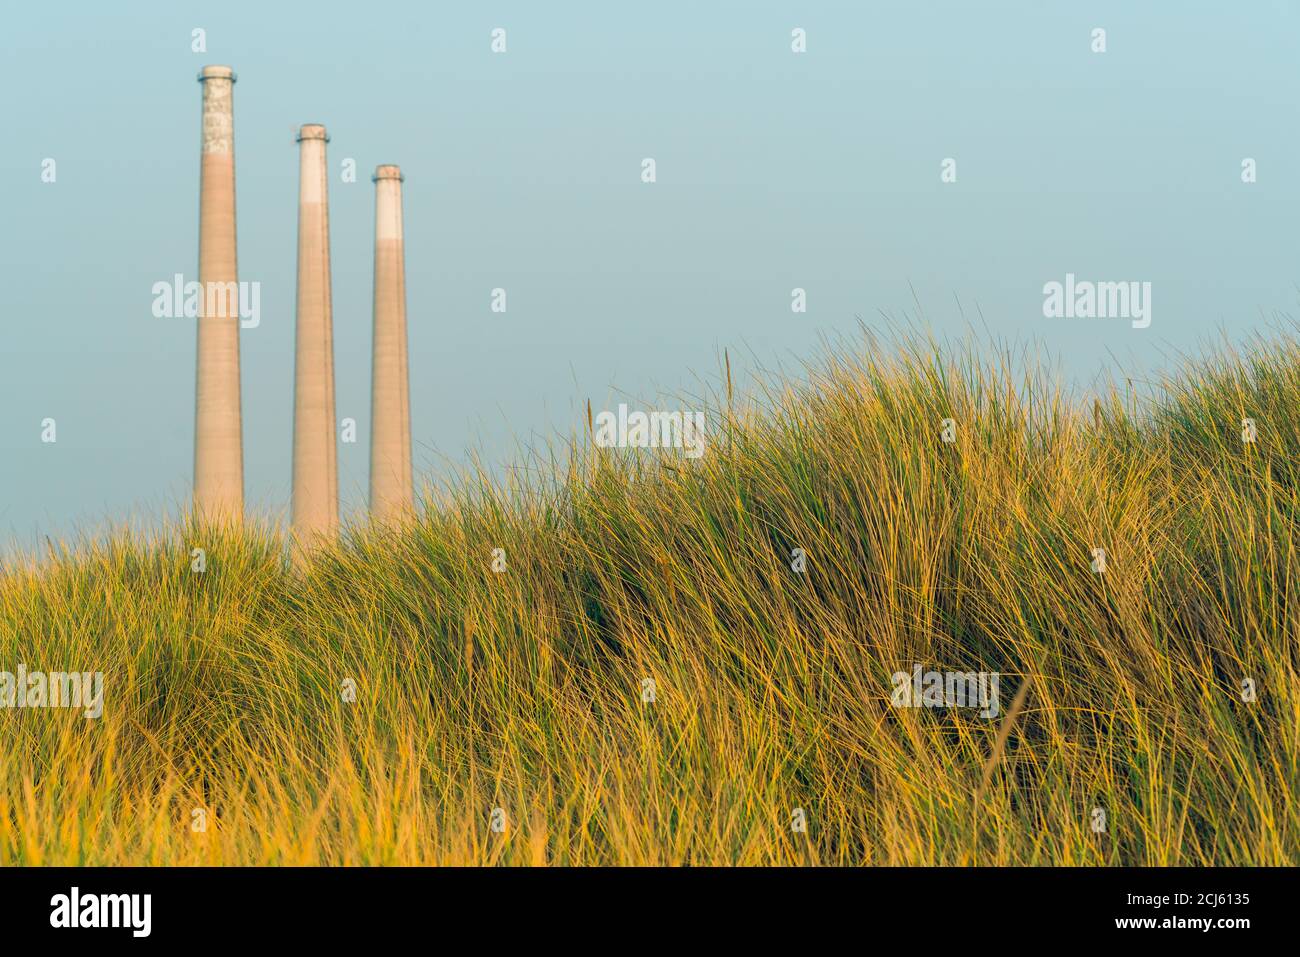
pixel 315 453
pixel 390 406
pixel 218 435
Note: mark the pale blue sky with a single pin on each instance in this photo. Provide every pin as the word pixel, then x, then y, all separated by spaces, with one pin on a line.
pixel 775 170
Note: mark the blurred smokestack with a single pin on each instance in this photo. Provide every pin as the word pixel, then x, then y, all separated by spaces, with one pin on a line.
pixel 391 494
pixel 218 435
pixel 315 453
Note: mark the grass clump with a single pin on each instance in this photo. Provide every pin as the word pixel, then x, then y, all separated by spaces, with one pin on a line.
pixel 523 689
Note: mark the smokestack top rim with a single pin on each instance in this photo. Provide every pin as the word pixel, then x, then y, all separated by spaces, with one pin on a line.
pixel 217 72
pixel 388 171
pixel 313 131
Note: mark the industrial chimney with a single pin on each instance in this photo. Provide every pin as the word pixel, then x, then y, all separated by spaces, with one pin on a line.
pixel 391 495
pixel 218 435
pixel 315 453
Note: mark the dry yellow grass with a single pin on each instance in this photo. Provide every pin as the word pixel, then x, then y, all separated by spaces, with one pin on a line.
pixel 523 690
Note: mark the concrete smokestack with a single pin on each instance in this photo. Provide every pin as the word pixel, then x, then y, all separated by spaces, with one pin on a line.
pixel 315 453
pixel 218 432
pixel 391 493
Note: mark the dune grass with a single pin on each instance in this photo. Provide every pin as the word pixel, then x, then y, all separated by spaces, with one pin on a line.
pixel 522 689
